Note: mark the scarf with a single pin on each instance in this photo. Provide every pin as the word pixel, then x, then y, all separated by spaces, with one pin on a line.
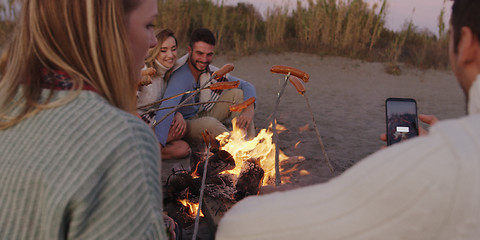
pixel 60 80
pixel 208 95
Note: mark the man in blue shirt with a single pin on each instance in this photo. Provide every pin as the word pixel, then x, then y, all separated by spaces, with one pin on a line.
pixel 191 76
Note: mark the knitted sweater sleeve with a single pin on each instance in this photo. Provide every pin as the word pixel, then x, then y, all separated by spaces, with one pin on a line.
pixel 122 198
pixel 84 170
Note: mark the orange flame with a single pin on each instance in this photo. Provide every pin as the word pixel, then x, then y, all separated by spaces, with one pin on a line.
pixel 261 148
pixel 192 208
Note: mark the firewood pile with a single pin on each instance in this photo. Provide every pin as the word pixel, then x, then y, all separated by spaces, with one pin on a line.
pixel 222 189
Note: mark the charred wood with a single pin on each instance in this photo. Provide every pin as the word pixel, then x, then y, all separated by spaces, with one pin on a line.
pixel 217 163
pixel 249 180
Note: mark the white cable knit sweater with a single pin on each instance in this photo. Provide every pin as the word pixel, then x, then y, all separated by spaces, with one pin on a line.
pixel 154 92
pixel 425 188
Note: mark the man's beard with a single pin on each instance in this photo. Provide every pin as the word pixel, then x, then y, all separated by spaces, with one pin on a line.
pixel 195 65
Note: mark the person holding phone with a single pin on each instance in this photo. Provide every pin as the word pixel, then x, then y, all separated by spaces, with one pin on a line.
pixel 75 160
pixel 424 188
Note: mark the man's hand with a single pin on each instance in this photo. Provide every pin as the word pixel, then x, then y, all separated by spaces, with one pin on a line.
pixel 428 119
pixel 246 117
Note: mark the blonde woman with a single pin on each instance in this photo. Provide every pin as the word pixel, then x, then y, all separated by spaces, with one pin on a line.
pixel 75 162
pixel 163 58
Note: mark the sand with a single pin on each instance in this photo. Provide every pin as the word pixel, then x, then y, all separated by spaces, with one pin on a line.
pixel 347 98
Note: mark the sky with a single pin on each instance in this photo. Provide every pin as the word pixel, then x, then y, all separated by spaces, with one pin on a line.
pixel 398 11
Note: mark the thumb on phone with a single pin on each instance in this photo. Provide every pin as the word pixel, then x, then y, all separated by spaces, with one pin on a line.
pixel 428 119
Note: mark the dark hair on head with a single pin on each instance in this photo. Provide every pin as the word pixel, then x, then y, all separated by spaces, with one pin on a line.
pixel 202 35
pixel 465 13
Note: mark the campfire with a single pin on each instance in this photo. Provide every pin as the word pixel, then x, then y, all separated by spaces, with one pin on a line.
pixel 230 167
pixel 236 169
pixel 259 150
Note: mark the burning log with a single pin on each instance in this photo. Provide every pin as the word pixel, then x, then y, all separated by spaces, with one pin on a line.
pixel 178 183
pixel 195 159
pixel 217 186
pixel 221 187
pixel 217 163
pixel 249 180
pixel 212 141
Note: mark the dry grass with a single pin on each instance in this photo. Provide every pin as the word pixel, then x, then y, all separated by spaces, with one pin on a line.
pixel 276 27
pixel 349 28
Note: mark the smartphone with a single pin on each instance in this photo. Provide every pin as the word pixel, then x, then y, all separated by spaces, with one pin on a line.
pixel 402 119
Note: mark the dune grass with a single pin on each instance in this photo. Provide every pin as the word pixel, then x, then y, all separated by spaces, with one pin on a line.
pixel 350 28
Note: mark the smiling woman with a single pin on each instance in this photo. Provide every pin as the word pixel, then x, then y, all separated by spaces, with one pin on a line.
pixel 162 59
pixel 74 161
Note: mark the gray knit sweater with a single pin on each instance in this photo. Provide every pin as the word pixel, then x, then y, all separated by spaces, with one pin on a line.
pixel 85 170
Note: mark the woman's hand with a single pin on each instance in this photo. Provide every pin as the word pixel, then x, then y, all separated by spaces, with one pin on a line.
pixel 179 125
pixel 170 225
pixel 178 128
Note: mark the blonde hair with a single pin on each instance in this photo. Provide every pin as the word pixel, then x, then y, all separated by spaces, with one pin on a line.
pixel 153 52
pixel 87 39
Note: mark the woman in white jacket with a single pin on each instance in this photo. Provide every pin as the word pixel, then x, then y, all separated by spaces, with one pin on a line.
pixel 163 58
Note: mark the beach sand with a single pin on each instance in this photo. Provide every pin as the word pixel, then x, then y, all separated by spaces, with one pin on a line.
pixel 348 101
pixel 347 98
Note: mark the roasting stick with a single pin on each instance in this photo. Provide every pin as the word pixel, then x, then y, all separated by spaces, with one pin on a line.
pixel 214 86
pixel 298 84
pixel 287 71
pixel 216 75
pixel 186 105
pixel 278 180
pixel 165 99
pixel 202 189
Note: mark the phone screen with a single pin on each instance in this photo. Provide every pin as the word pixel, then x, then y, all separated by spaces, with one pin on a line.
pixel 402 120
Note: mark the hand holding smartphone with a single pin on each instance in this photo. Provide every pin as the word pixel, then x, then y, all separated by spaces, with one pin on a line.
pixel 402 119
